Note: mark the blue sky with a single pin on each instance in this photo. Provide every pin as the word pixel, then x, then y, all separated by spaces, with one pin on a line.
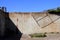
pixel 29 5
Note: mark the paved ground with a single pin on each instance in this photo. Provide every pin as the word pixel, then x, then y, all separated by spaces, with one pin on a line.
pixel 49 37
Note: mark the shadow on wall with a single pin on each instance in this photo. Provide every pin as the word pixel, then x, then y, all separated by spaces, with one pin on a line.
pixel 11 31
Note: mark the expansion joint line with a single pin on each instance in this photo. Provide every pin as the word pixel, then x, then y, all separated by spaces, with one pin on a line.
pixel 51 22
pixel 39 19
pixel 42 18
pixel 35 20
pixel 49 17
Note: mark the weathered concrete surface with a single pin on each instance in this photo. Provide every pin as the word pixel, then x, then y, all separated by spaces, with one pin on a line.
pixel 29 23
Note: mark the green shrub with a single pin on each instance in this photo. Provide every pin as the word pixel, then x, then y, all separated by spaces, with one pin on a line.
pixel 57 32
pixel 54 10
pixel 38 35
pixel 54 32
pixel 51 11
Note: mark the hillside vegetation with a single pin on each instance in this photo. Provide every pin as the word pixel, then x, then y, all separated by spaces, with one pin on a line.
pixel 57 10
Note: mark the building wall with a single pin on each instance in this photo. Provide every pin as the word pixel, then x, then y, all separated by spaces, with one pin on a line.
pixel 2 23
pixel 29 23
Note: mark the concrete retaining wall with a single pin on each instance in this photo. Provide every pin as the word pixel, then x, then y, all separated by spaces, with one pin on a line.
pixel 29 23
